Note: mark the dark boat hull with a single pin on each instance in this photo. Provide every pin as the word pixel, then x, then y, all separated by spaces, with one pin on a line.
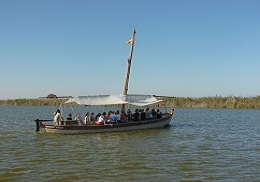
pixel 88 129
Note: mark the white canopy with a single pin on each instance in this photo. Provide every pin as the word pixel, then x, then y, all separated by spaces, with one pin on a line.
pixel 137 100
pixel 141 100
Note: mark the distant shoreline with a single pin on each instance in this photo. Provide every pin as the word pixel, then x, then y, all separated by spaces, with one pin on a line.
pixel 182 102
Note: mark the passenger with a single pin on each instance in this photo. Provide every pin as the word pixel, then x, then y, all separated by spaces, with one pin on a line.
pixel 140 112
pixel 57 117
pixel 123 117
pixel 113 118
pixel 129 115
pixel 97 116
pixel 143 114
pixel 86 119
pixel 118 116
pixel 102 119
pixel 69 116
pixel 159 114
pixel 135 116
pixel 109 116
pixel 147 113
pixel 153 114
pixel 172 112
pixel 79 119
pixel 91 118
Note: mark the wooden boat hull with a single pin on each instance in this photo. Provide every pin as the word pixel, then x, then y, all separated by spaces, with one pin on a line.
pixel 88 129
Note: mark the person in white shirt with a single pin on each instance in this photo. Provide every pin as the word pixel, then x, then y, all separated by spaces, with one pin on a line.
pixel 102 119
pixel 78 118
pixel 86 119
pixel 57 118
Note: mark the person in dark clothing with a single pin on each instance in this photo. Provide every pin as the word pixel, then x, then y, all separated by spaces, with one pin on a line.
pixel 129 115
pixel 143 115
pixel 159 114
pixel 153 113
pixel 69 116
pixel 135 116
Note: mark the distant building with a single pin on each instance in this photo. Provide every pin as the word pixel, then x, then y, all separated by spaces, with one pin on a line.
pixel 52 96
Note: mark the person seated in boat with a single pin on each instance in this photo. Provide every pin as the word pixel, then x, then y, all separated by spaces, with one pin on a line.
pixel 69 116
pixel 142 115
pixel 97 116
pixel 86 119
pixel 118 116
pixel 57 118
pixel 153 114
pixel 112 119
pixel 159 114
pixel 136 115
pixel 108 115
pixel 102 119
pixel 78 118
pixel 147 113
pixel 129 115
pixel 91 118
pixel 123 117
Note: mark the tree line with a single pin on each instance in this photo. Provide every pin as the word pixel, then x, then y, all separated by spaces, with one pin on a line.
pixel 183 102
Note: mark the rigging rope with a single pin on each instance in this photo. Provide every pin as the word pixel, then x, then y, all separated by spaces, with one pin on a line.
pixel 74 114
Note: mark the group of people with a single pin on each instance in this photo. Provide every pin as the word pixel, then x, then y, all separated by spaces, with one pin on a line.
pixel 111 117
pixel 147 114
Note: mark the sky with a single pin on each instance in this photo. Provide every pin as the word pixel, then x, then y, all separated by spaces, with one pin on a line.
pixel 183 48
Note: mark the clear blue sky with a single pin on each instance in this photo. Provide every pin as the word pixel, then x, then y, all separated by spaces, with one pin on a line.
pixel 184 48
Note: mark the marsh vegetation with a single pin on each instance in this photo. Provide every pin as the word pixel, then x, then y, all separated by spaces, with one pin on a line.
pixel 183 102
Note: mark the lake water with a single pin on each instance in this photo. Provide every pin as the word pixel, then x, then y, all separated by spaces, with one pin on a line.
pixel 199 145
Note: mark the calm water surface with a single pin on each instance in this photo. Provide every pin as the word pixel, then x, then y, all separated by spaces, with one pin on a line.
pixel 199 145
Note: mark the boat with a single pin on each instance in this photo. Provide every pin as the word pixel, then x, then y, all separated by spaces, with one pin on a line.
pixel 72 126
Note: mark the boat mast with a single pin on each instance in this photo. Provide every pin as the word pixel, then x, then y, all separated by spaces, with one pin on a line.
pixel 132 41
